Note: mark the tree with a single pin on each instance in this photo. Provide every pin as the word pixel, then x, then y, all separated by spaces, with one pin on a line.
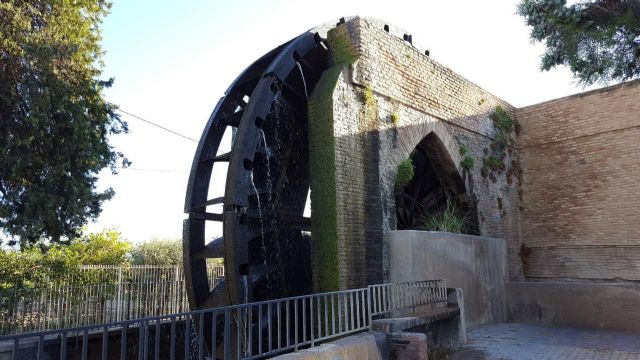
pixel 54 122
pixel 36 267
pixel 103 248
pixel 598 39
pixel 158 252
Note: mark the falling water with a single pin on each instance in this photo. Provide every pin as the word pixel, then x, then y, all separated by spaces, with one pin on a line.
pixel 255 189
pixel 267 153
pixel 262 240
pixel 303 80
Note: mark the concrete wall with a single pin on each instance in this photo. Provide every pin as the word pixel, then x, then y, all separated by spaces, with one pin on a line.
pixel 612 306
pixel 475 264
pixel 371 345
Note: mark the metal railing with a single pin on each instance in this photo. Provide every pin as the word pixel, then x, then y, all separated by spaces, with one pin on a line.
pixel 246 331
pixel 112 294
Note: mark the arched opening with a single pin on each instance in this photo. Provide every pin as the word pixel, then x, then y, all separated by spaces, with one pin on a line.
pixel 430 193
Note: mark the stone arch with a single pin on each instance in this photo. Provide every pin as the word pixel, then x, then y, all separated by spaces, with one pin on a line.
pixel 433 137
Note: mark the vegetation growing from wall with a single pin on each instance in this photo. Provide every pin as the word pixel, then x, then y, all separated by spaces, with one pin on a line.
pixel 405 174
pixel 341 47
pixel 467 161
pixel 506 127
pixel 322 162
pixel 395 118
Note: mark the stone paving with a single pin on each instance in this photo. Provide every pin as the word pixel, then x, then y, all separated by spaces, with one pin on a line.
pixel 528 341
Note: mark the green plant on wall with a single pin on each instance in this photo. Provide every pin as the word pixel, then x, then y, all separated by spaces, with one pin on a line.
pixel 368 95
pixel 395 118
pixel 505 126
pixel 467 161
pixel 406 171
pixel 341 47
pixel 369 112
pixel 322 161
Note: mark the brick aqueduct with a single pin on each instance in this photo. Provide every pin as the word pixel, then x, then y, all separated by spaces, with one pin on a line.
pixel 339 108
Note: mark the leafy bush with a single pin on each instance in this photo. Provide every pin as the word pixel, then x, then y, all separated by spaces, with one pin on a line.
pixel 406 171
pixel 449 220
pixel 158 252
pixel 36 267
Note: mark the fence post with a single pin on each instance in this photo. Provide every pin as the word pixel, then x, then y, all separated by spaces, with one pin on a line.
pixel 369 307
pixel 119 299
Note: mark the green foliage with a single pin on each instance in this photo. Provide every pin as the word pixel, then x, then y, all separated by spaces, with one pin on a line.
pixel 505 126
pixel 598 39
pixel 54 122
pixel 368 95
pixel 467 163
pixel 501 141
pixel 157 252
pixel 322 180
pixel 451 219
pixel 34 266
pixel 493 163
pixel 502 120
pixel 342 50
pixel 406 171
pixel 104 248
pixel 463 150
pixel 395 118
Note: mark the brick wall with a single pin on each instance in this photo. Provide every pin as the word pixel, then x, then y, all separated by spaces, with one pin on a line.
pixel 429 99
pixel 581 185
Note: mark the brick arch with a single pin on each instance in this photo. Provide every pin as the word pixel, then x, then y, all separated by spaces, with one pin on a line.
pixel 443 152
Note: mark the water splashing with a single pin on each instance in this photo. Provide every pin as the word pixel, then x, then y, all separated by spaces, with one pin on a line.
pixel 262 240
pixel 255 189
pixel 304 82
pixel 267 153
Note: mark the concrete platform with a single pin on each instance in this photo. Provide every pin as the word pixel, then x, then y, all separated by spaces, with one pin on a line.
pixel 516 341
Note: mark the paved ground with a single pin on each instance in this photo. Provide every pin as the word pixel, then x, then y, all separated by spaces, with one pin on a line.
pixel 527 341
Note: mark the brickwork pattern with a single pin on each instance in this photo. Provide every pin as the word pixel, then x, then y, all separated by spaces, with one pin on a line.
pixel 428 98
pixel 581 188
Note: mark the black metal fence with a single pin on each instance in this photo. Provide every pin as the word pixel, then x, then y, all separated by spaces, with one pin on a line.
pixel 246 331
pixel 109 294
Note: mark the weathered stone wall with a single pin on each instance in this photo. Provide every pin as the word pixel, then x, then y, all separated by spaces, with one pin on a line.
pixel 581 190
pixel 391 76
pixel 475 264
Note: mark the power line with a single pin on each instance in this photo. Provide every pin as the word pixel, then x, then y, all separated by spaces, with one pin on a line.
pixel 153 170
pixel 156 125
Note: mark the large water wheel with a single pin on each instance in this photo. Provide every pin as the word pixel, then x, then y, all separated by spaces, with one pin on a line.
pixel 265 244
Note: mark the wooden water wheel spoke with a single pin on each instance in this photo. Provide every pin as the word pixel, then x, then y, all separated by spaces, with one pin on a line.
pixel 214 249
pixel 217 297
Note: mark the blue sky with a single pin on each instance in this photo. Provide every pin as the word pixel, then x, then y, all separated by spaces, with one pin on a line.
pixel 172 60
